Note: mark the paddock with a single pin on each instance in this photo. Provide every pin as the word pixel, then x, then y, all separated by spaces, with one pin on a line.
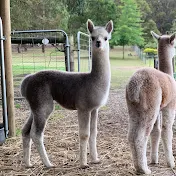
pixel 61 136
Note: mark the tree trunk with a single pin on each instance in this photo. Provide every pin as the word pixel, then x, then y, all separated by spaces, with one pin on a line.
pixel 5 14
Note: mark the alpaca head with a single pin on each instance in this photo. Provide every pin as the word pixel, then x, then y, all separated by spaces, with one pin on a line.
pixel 166 43
pixel 100 35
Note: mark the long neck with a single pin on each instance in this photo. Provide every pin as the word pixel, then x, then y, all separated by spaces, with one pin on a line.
pixel 101 64
pixel 165 60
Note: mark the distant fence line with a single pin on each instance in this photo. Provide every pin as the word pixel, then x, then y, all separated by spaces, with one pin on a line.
pixel 140 53
pixel 143 56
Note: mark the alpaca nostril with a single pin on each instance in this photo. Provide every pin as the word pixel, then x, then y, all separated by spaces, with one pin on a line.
pixel 98 44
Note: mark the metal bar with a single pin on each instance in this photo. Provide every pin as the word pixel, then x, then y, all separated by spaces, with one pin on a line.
pixel 38 40
pixel 36 31
pixel 78 42
pixel 16 98
pixel 89 62
pixel 5 14
pixel 67 51
pixel 82 33
pixel 3 82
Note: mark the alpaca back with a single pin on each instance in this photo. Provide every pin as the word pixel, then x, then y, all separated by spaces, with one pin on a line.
pixel 147 84
pixel 75 90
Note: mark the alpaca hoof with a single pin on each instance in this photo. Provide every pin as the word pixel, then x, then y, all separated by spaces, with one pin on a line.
pixel 146 171
pixel 29 166
pixel 50 166
pixel 85 166
pixel 171 164
pixel 97 161
pixel 154 164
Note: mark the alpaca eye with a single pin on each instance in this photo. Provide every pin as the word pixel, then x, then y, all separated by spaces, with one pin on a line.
pixel 106 38
pixel 93 38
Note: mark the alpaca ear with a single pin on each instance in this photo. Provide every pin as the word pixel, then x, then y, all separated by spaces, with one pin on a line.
pixel 109 26
pixel 155 36
pixel 90 26
pixel 172 37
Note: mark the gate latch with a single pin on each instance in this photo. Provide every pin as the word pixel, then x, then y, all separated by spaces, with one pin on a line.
pixel 3 38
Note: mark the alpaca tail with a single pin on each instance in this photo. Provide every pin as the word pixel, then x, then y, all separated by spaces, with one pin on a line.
pixel 24 85
pixel 133 90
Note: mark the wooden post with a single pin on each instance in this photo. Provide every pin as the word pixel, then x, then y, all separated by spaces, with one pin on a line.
pixel 43 48
pixel 5 14
pixel 71 39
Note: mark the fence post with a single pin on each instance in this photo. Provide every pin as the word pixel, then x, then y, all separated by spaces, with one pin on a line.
pixel 71 39
pixel 5 14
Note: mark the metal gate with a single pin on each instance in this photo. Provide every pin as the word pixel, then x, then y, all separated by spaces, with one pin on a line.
pixel 4 120
pixel 84 52
pixel 37 50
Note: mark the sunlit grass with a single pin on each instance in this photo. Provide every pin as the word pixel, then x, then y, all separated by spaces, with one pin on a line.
pixel 121 69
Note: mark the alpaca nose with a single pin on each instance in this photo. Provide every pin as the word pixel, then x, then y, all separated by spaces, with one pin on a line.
pixel 98 43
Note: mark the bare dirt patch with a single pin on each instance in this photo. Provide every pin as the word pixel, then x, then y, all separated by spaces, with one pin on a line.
pixel 61 141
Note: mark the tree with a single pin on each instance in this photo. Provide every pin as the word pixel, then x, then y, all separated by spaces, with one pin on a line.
pixel 99 11
pixel 38 14
pixel 173 29
pixel 20 19
pixel 163 13
pixel 147 23
pixel 128 29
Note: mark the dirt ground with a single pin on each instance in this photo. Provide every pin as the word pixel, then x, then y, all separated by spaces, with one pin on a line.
pixel 61 141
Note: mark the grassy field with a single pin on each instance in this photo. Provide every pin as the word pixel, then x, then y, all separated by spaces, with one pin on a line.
pixel 33 61
pixel 122 69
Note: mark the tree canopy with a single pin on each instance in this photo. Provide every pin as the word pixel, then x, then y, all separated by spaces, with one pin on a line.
pixel 133 19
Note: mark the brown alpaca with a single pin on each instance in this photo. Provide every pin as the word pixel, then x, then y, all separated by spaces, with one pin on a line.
pixel 148 92
pixel 84 92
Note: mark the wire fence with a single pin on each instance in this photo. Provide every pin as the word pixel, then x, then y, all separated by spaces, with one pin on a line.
pixel 84 52
pixel 35 51
pixel 150 60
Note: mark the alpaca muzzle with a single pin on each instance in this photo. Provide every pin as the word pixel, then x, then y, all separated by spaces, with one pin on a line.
pixel 98 44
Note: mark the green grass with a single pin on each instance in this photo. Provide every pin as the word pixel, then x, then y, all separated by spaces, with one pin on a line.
pixel 32 68
pixel 18 132
pixel 17 105
pixel 121 69
pixel 34 60
pixel 57 107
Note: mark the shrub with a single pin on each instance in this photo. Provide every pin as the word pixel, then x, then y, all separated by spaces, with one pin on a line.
pixel 150 51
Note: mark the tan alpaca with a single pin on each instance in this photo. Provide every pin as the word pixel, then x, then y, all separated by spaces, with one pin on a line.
pixel 84 92
pixel 148 92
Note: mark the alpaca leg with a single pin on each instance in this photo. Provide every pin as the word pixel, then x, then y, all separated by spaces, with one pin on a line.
pixel 41 112
pixel 155 138
pixel 37 131
pixel 27 141
pixel 84 133
pixel 167 135
pixel 93 136
pixel 138 143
